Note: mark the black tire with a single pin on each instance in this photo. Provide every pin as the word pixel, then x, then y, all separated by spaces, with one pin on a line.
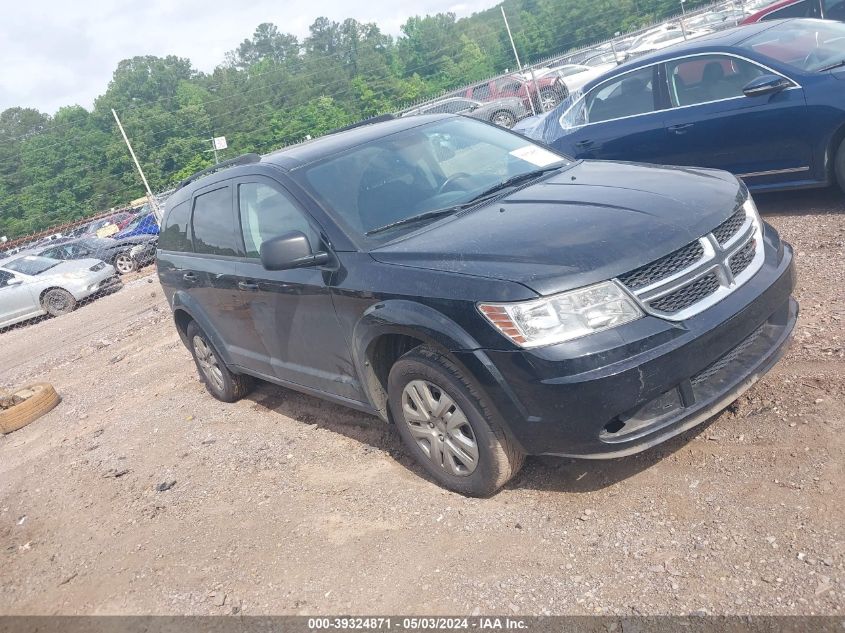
pixel 839 166
pixel 58 301
pixel 498 458
pixel 549 98
pixel 503 118
pixel 225 386
pixel 124 263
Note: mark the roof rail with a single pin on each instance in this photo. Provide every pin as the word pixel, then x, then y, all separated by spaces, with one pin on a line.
pixel 381 118
pixel 245 159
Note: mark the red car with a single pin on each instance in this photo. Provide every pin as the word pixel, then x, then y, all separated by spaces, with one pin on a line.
pixel 825 9
pixel 549 91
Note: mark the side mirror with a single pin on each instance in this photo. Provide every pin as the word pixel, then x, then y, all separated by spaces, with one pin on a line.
pixel 291 250
pixel 766 85
pixel 14 281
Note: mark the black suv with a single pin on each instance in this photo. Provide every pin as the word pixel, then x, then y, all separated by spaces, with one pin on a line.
pixel 490 297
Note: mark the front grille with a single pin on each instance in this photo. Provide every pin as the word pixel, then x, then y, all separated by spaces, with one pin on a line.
pixel 687 295
pixel 743 257
pixel 663 267
pixel 699 275
pixel 727 229
pixel 708 372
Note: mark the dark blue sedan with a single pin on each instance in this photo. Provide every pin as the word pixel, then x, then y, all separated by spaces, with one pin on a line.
pixel 765 102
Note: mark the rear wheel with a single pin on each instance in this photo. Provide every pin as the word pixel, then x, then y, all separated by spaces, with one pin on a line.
pixel 125 263
pixel 839 166
pixel 549 98
pixel 503 118
pixel 448 427
pixel 218 380
pixel 58 301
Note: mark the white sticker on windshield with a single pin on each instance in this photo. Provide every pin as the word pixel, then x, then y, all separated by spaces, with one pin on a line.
pixel 536 155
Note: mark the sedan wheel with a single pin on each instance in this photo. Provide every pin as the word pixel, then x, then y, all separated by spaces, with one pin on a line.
pixel 58 301
pixel 440 428
pixel 207 360
pixel 125 264
pixel 503 118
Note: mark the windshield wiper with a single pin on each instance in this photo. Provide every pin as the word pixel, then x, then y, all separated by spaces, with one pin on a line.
pixel 428 215
pixel 513 181
pixel 838 64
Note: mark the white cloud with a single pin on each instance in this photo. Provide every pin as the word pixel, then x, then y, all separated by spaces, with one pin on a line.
pixel 58 53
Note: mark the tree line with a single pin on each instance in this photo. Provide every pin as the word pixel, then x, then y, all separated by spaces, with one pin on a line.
pixel 274 89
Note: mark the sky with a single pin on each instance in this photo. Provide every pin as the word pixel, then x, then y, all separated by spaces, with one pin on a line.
pixel 61 52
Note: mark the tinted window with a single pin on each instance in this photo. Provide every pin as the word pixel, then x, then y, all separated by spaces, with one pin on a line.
pixel 481 93
pixel 806 44
pixel 628 95
pixel 175 235
pixel 803 9
pixel 214 224
pixel 4 278
pixel 709 78
pixel 834 10
pixel 32 264
pixel 267 212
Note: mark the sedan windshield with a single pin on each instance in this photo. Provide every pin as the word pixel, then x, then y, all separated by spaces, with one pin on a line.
pixel 409 177
pixel 809 45
pixel 31 265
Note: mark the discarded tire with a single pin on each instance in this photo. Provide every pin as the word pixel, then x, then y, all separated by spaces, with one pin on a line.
pixel 26 405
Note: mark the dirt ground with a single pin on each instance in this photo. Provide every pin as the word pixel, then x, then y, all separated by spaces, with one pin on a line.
pixel 284 504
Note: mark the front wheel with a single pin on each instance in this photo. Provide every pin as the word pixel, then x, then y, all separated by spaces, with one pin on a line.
pixel 57 302
pixel 125 263
pixel 447 425
pixel 549 98
pixel 218 380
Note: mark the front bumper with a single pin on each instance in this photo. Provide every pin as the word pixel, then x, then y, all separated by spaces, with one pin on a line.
pixel 624 390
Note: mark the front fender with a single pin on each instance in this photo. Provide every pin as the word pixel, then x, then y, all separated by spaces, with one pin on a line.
pixel 407 318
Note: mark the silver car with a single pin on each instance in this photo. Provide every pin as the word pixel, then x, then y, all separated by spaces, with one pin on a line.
pixel 504 112
pixel 31 286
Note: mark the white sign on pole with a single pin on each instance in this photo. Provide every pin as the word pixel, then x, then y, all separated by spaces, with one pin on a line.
pixel 220 142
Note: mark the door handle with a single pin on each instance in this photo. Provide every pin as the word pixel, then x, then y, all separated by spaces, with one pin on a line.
pixel 189 277
pixel 681 128
pixel 245 285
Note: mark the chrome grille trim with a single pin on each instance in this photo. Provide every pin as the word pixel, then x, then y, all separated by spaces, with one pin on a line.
pixel 717 260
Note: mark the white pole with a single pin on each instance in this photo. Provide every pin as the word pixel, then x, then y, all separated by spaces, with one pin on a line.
pixel 683 17
pixel 150 197
pixel 518 63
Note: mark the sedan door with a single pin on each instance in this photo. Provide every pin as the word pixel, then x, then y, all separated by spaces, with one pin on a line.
pixel 293 332
pixel 713 124
pixel 617 120
pixel 16 298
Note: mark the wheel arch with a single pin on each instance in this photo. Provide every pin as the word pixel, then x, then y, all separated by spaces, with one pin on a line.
pixel 390 329
pixel 186 310
pixel 832 149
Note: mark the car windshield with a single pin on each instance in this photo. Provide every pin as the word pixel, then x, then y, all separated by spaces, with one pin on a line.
pixel 31 265
pixel 421 171
pixel 810 45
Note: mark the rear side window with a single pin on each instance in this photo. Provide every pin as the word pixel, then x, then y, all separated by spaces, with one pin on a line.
pixel 802 9
pixel 267 212
pixel 708 78
pixel 629 95
pixel 213 222
pixel 4 278
pixel 175 234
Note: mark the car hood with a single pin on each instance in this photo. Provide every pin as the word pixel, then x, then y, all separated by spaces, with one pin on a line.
pixel 589 223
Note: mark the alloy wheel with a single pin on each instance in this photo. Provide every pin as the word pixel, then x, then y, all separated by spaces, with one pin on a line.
pixel 209 365
pixel 124 264
pixel 440 428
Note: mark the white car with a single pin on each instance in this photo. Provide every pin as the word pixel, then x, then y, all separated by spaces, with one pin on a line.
pixel 662 38
pixel 32 286
pixel 575 76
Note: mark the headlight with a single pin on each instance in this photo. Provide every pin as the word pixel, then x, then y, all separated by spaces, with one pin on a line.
pixel 751 209
pixel 563 317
